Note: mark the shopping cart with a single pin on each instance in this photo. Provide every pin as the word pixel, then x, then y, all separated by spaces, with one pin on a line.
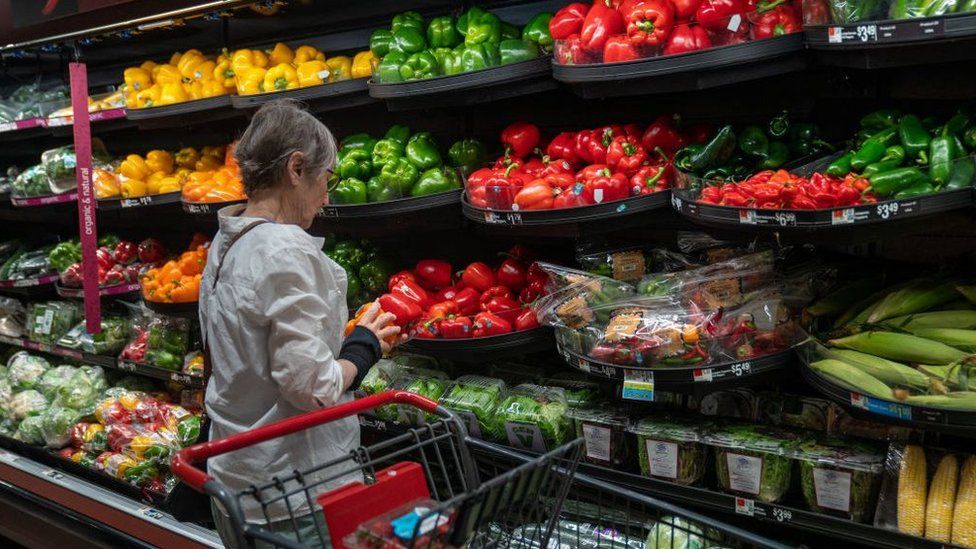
pixel 430 464
pixel 597 514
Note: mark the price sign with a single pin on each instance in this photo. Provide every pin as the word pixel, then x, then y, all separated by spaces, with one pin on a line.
pixel 782 515
pixel 196 208
pixel 638 385
pixel 887 210
pixel 149 512
pixel 329 212
pixel 52 474
pixel 881 407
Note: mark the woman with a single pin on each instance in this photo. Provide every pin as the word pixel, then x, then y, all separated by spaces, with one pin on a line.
pixel 272 313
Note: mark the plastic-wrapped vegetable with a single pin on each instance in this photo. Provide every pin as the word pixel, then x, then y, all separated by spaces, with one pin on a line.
pixel 56 424
pixel 379 377
pixel 671 532
pixel 90 437
pixel 6 392
pixel 754 461
pixel 793 411
pixel 627 264
pixel 81 391
pixel 29 430
pixel 13 317
pixel 107 342
pixel 649 333
pixel 671 449
pixel 577 299
pixel 534 417
pixel 430 386
pixel 604 434
pixel 476 400
pixel 33 181
pixel 24 370
pixel 580 392
pixel 841 477
pixel 168 341
pixel 47 322
pixel 721 284
pixel 27 403
pixel 54 378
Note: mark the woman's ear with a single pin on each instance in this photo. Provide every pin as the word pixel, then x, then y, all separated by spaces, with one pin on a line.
pixel 296 167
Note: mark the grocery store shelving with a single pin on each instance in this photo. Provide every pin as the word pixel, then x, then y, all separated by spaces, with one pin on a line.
pixel 483 349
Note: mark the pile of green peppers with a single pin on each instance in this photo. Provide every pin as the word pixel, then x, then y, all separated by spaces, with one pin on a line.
pixel 903 155
pixel 414 49
pixel 366 270
pixel 854 11
pixel 401 164
pixel 732 156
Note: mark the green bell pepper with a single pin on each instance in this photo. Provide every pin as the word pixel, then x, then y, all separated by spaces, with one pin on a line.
pixel 349 191
pixel 374 275
pixel 356 163
pixel 942 151
pixel 880 119
pixel 399 174
pixel 473 13
pixel 963 171
pixel 873 149
pixel 467 152
pixel 409 41
pixel 923 187
pixel 436 180
pixel 715 152
pixel 398 133
pixel 377 191
pixel 779 126
pixel 478 56
pixel 914 137
pixel 515 50
pixel 753 142
pixel 483 28
pixel 778 154
pixel 959 122
pixel 188 430
pixel 362 141
pixel 354 290
pixel 385 151
pixel 537 30
pixel 841 166
pixel 348 252
pixel 510 32
pixel 380 42
pixel 448 60
pixel 407 20
pixel 890 182
pixel 422 152
pixel 969 138
pixel 388 70
pixel 441 33
pixel 419 66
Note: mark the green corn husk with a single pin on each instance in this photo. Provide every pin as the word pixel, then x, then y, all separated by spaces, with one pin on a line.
pixel 961 401
pixel 913 300
pixel 861 310
pixel 851 377
pixel 954 337
pixel 839 300
pixel 900 347
pixel 959 305
pixel 969 292
pixel 953 375
pixel 893 374
pixel 965 319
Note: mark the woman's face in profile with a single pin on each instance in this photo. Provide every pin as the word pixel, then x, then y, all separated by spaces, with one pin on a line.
pixel 317 195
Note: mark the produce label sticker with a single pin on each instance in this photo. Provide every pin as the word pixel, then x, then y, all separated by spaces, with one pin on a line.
pixel 735 22
pixel 628 265
pixel 42 323
pixel 662 458
pixel 842 217
pixel 597 440
pixel 853 33
pixel 881 407
pixel 747 217
pixel 470 422
pixel 745 506
pixel 745 472
pixel 623 325
pixel 525 436
pixel 833 489
pixel 702 375
pixel 78 74
pixel 638 385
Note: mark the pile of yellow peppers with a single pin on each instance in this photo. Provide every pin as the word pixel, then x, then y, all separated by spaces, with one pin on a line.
pixel 159 172
pixel 187 76
pixel 254 71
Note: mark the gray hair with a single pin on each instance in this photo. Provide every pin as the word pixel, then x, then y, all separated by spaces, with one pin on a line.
pixel 277 130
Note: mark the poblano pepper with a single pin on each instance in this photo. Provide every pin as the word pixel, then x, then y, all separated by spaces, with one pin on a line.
pixel 841 166
pixel 873 149
pixel 537 30
pixel 917 189
pixel 385 151
pixel 888 183
pixel 441 33
pixel 349 191
pixel 513 51
pixel 422 153
pixel 914 137
pixel 715 152
pixel 778 154
pixel 399 174
pixel 753 142
pixel 374 275
pixel 419 66
pixel 942 151
pixel 963 170
pixel 880 119
pixel 436 180
pixel 879 167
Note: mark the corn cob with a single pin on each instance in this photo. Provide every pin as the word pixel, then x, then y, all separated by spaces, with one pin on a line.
pixel 837 301
pixel 941 500
pixel 953 374
pixel 935 319
pixel 912 491
pixel 963 401
pixel 900 347
pixel 913 299
pixel 964 515
pixel 955 337
pixel 891 373
pixel 859 312
pixel 852 378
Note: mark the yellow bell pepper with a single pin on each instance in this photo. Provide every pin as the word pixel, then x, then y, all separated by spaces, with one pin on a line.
pixel 204 71
pixel 171 93
pixel 169 185
pixel 159 161
pixel 223 56
pixel 340 68
pixel 207 88
pixel 364 64
pixel 137 78
pixel 188 64
pixel 280 77
pixel 134 167
pixel 240 60
pixel 106 184
pixel 183 175
pixel 281 54
pixel 167 74
pixel 207 163
pixel 175 58
pixel 260 59
pixel 148 66
pixel 216 151
pixel 307 53
pixel 194 51
pixel 250 80
pixel 132 100
pixel 154 182
pixel 186 157
pixel 133 188
pixel 224 74
pixel 308 73
pixel 150 97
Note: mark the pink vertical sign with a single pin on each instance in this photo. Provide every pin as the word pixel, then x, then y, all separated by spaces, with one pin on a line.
pixel 86 196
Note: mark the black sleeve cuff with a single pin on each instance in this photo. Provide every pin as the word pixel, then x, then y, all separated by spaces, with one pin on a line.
pixel 363 350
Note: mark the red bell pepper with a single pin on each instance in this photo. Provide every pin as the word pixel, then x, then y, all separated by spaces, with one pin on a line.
pixel 405 310
pixel 433 274
pixel 684 10
pixel 502 186
pixel 571 198
pixel 570 52
pixel 526 320
pixel 479 276
pixel 520 253
pixel 563 146
pixel 774 19
pixel 619 48
pixel 533 167
pixel 397 277
pixel 568 21
pixel 649 179
pixel 488 324
pixel 151 250
pixel 601 22
pixel 649 22
pixel 625 154
pixel 511 274
pixel 537 195
pixel 104 257
pixel 426 329
pixel 698 133
pixel 503 306
pixel 468 301
pixel 536 275
pixel 455 327
pixel 442 310
pixel 531 292
pixel 520 139
pixel 687 38
pixel 445 294
pixel 590 147
pixel 601 185
pixel 412 291
pixel 125 252
pixel 607 133
pixel 663 134
pixel 717 16
pixel 558 166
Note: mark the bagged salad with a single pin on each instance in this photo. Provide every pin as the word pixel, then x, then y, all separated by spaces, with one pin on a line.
pixel 604 434
pixel 579 391
pixel 431 384
pixel 841 477
pixel 754 461
pixel 27 263
pixel 534 417
pixel 671 449
pixel 167 342
pixel 476 399
pixel 722 284
pixel 48 321
pixel 109 341
pixel 672 532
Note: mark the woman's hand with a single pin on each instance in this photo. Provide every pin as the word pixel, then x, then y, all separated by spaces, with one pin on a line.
pixel 382 327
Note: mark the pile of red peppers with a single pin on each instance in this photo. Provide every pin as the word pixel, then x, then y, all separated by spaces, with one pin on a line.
pixel 782 190
pixel 432 301
pixel 610 31
pixel 579 168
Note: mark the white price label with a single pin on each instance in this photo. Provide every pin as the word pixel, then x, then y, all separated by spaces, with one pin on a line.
pixel 782 515
pixel 597 439
pixel 525 436
pixel 702 375
pixel 741 368
pixel 662 458
pixel 833 489
pixel 745 506
pixel 734 22
pixel 887 210
pixel 42 324
pixel 638 385
pixel 745 472
pixel 867 33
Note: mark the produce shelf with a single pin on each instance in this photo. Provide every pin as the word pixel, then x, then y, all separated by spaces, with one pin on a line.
pixel 156 372
pixel 108 291
pixel 207 208
pixel 390 207
pixel 176 109
pixel 483 349
pixel 697 70
pixel 336 95
pixel 30 282
pixel 483 86
pixel 94 117
pixel 142 201
pixel 22 129
pixel 173 309
pixel 34 201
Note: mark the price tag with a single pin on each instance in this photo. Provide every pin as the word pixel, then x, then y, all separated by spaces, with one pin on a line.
pixel 702 375
pixel 881 407
pixel 741 368
pixel 503 218
pixel 734 22
pixel 149 512
pixel 887 210
pixel 185 379
pixel 136 202
pixel 8 127
pixel 328 211
pixel 197 208
pixel 842 217
pixel 858 33
pixel 782 515
pixel 25 283
pixel 744 506
pixel 747 217
pixel 638 385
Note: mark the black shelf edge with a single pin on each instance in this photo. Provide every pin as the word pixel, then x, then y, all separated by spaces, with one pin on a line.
pixel 109 291
pixel 566 216
pixel 208 208
pixel 109 204
pixel 177 109
pixel 484 349
pixel 47 200
pixel 45 280
pixel 390 207
pixel 884 32
pixel 173 309
pixel 309 94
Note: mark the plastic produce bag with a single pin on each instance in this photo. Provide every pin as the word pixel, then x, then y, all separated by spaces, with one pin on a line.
pixel 29 430
pixel 722 284
pixel 604 434
pixel 128 407
pixel 27 403
pixel 142 442
pixel 90 437
pixel 13 316
pixel 24 370
pixel 577 299
pixel 431 384
pixel 53 379
pixel 59 165
pixel 841 477
pixel 56 425
pixel 33 181
pixel 580 392
pixel 6 393
pixel 476 399
pixel 627 264
pixel 672 449
pixel 82 390
pixel 167 342
pixel 754 461
pixel 534 417
pixel 107 342
pixel 47 322
pixel 27 264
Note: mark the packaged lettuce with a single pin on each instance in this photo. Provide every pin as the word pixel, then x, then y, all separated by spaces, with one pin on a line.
pixel 671 532
pixel 47 322
pixel 671 449
pixel 82 390
pixel 580 392
pixel 475 399
pixel 6 391
pixel 25 370
pixel 784 410
pixel 54 378
pixel 56 424
pixel 431 385
pixel 534 417
pixel 754 461
pixel 379 377
pixel 604 434
pixel 841 476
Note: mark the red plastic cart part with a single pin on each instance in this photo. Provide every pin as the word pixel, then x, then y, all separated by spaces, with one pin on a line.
pixel 182 463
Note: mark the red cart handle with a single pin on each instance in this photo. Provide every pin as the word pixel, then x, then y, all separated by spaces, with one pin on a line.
pixel 182 463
